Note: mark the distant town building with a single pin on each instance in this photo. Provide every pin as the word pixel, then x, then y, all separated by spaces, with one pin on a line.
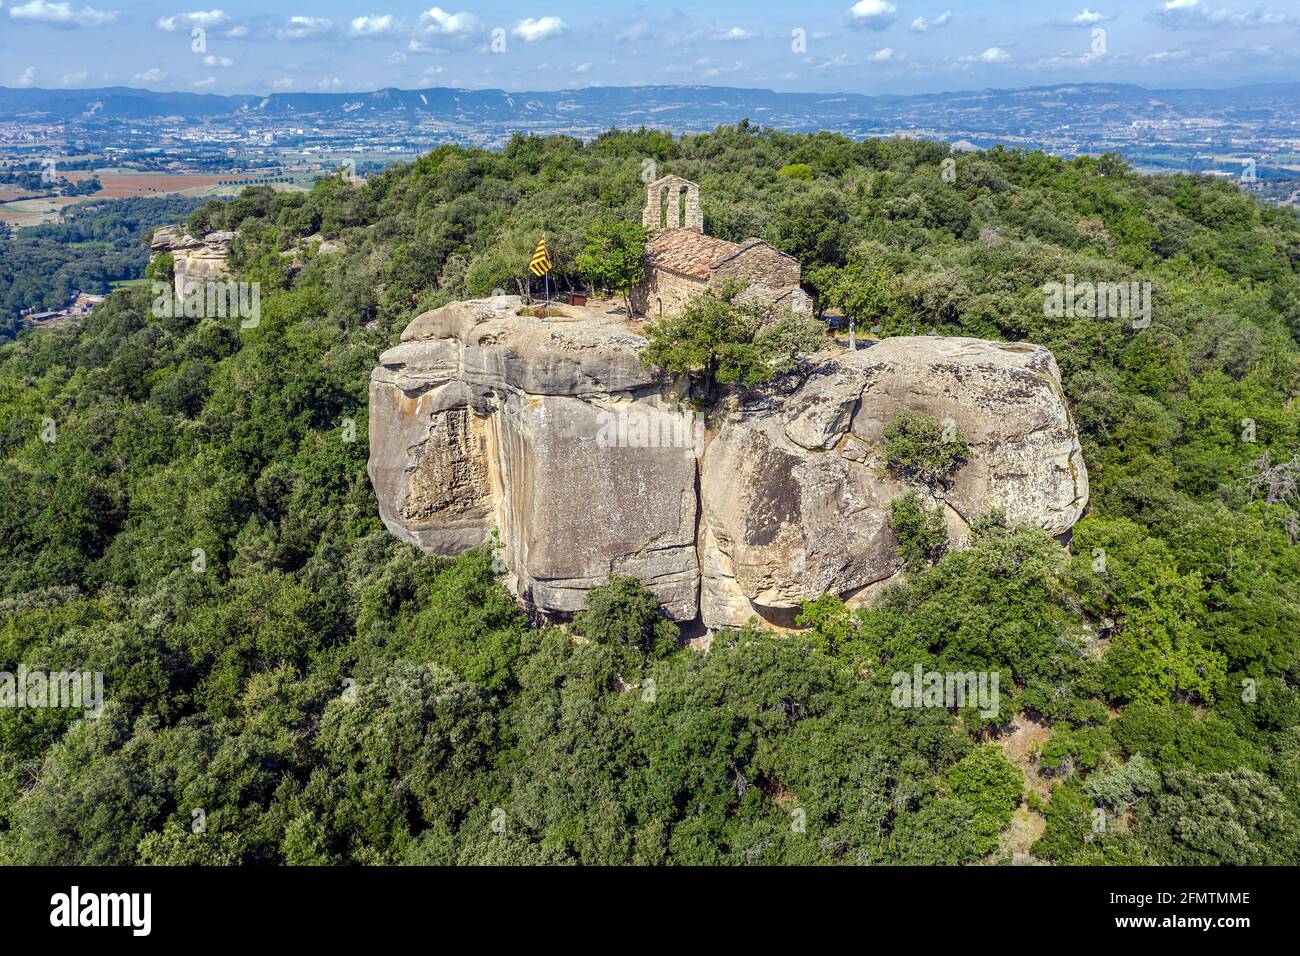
pixel 83 303
pixel 80 305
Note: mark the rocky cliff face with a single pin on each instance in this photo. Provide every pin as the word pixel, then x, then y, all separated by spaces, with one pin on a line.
pixel 547 437
pixel 197 260
pixel 795 496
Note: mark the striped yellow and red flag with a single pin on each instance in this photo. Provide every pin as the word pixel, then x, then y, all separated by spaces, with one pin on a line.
pixel 541 262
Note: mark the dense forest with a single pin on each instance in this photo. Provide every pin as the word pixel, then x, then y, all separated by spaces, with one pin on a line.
pixel 287 683
pixel 99 243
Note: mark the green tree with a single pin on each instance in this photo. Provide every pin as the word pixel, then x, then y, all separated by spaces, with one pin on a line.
pixel 717 340
pixel 614 256
pixel 1234 818
pixel 921 532
pixel 986 780
pixel 160 268
pixel 919 447
pixel 624 613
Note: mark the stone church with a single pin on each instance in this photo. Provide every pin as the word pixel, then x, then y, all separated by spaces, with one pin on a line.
pixel 681 261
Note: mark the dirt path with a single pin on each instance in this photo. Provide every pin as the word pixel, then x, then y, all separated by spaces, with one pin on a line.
pixel 1020 747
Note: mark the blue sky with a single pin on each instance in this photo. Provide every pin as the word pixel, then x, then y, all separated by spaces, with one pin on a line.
pixel 866 46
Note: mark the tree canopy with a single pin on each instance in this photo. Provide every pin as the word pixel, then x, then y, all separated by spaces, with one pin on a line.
pixel 187 512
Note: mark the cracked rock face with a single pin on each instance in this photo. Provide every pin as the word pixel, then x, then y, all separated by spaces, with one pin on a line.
pixel 549 431
pixel 795 493
pixel 549 434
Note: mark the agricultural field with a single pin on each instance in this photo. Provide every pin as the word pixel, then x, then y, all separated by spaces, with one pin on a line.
pixel 19 212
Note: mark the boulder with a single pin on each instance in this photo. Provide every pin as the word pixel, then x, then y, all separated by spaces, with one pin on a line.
pixel 795 494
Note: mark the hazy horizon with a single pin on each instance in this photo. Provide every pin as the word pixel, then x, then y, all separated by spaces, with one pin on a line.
pixel 681 86
pixel 869 47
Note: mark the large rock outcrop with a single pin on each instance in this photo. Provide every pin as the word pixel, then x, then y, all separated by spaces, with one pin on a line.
pixel 483 419
pixel 795 495
pixel 547 438
pixel 196 260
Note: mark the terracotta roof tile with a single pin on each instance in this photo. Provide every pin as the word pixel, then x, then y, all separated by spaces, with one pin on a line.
pixel 687 251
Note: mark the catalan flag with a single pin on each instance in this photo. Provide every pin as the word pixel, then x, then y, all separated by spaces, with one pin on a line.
pixel 541 262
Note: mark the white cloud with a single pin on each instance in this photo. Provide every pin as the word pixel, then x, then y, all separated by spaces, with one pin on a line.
pixel 1068 60
pixel 154 75
pixel 304 28
pixel 438 20
pixel 872 14
pixel 433 71
pixel 28 77
pixel 222 61
pixel 75 77
pixel 1165 56
pixel 330 83
pixel 1185 14
pixel 921 24
pixel 373 26
pixel 711 68
pixel 735 33
pixel 204 84
pixel 419 46
pixel 835 62
pixel 994 54
pixel 886 55
pixel 1088 18
pixel 582 68
pixel 207 19
pixel 539 29
pixel 62 14
pixel 284 83
pixel 637 30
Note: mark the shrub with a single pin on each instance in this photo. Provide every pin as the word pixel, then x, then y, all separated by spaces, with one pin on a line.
pixel 918 447
pixel 624 613
pixel 922 534
pixel 720 341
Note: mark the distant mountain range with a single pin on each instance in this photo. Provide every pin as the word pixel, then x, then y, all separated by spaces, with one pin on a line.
pixel 1077 106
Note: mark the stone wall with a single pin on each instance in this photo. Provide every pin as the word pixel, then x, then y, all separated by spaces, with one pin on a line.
pixel 792 299
pixel 665 293
pixel 758 262
pixel 672 203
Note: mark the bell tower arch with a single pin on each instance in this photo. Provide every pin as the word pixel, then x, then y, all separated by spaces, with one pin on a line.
pixel 672 203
